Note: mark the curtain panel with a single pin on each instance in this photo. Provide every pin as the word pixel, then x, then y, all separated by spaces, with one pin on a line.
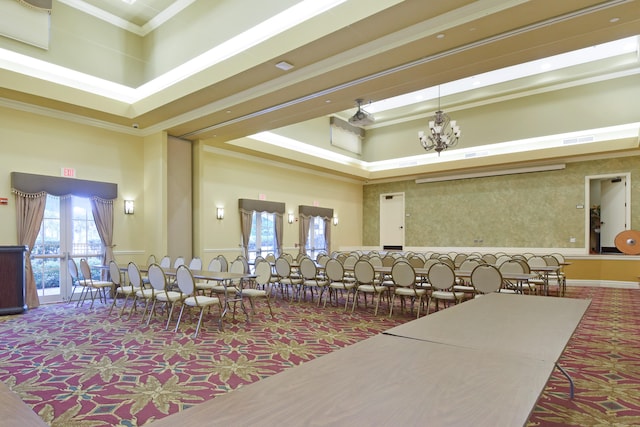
pixel 29 214
pixel 102 210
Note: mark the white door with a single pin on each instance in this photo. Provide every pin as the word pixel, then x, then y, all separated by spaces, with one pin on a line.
pixel 612 210
pixel 392 220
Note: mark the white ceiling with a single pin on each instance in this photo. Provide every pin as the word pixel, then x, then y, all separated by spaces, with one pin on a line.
pixel 396 51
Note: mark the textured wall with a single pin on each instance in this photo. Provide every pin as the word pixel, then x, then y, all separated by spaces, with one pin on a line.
pixel 535 210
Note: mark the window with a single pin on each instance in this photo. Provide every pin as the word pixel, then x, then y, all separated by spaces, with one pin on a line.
pixel 315 240
pixel 67 230
pixel 263 235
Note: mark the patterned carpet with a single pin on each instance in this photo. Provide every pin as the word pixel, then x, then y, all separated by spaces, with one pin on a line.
pixel 79 367
pixel 603 358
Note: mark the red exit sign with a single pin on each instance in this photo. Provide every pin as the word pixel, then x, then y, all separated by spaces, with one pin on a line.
pixel 68 172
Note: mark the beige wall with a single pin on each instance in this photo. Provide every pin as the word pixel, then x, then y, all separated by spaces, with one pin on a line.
pixel 225 178
pixel 36 144
pixel 534 210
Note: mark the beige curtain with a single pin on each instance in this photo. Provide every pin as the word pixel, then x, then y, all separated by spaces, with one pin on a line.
pixel 29 214
pixel 246 220
pixel 278 225
pixel 103 216
pixel 327 233
pixel 304 232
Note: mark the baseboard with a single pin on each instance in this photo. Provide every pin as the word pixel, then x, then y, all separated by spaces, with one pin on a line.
pixel 604 284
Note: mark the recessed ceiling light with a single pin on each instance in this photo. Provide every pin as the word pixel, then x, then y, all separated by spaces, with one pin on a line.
pixel 129 1
pixel 284 65
pixel 440 36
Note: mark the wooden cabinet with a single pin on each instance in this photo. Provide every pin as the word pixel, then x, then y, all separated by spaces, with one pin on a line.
pixel 12 279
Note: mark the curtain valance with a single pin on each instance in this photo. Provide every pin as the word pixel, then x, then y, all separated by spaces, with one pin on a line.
pixel 315 211
pixel 250 205
pixel 58 186
pixel 38 4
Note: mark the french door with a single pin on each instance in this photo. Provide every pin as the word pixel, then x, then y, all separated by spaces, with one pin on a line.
pixel 67 231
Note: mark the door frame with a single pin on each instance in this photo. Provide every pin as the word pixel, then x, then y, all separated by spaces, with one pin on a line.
pixel 587 193
pixel 382 197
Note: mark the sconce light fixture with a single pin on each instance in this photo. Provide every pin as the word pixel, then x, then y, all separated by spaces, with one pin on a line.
pixel 335 220
pixel 128 207
pixel 290 218
pixel 220 213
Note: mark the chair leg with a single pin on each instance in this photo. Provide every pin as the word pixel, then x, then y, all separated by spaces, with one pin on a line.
pixel 153 307
pixel 169 316
pixel 113 304
pixel 179 317
pixel 199 321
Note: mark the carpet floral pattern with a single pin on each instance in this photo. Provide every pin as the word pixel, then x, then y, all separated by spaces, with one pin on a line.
pixel 79 367
pixel 603 358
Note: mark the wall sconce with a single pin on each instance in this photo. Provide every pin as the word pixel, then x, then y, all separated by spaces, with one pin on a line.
pixel 335 220
pixel 290 218
pixel 128 207
pixel 220 213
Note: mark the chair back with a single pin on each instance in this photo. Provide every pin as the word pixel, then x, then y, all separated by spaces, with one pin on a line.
pixel 502 259
pixel 416 261
pixel 350 262
pixel 283 267
pixel 489 258
pixel 135 279
pixel 178 262
pixel 559 257
pixel 157 278
pixel 85 270
pixel 375 260
pixel 237 266
pixel 403 274
pixel 486 278
pixel 224 264
pixel 322 259
pixel 72 267
pixel 512 266
pixel 270 257
pixel 363 272
pixel 195 263
pixel 388 260
pixel 334 270
pixel 114 272
pixel 165 262
pixel 459 259
pixel 184 277
pixel 308 268
pixel 263 273
pixel 429 262
pixel 537 261
pixel 214 265
pixel 550 260
pixel 446 259
pixel 151 259
pixel 441 276
pixel 469 264
pixel 288 257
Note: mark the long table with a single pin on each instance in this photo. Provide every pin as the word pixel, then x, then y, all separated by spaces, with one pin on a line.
pixel 466 365
pixel 14 412
pixel 383 381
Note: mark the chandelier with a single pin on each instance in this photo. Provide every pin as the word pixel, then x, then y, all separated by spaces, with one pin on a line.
pixel 443 132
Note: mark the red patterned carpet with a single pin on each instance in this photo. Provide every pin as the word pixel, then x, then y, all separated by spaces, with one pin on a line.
pixel 79 367
pixel 603 358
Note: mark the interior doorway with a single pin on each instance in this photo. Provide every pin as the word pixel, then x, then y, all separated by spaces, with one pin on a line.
pixel 609 211
pixel 392 221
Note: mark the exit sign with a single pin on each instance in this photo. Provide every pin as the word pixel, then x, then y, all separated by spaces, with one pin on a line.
pixel 68 172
